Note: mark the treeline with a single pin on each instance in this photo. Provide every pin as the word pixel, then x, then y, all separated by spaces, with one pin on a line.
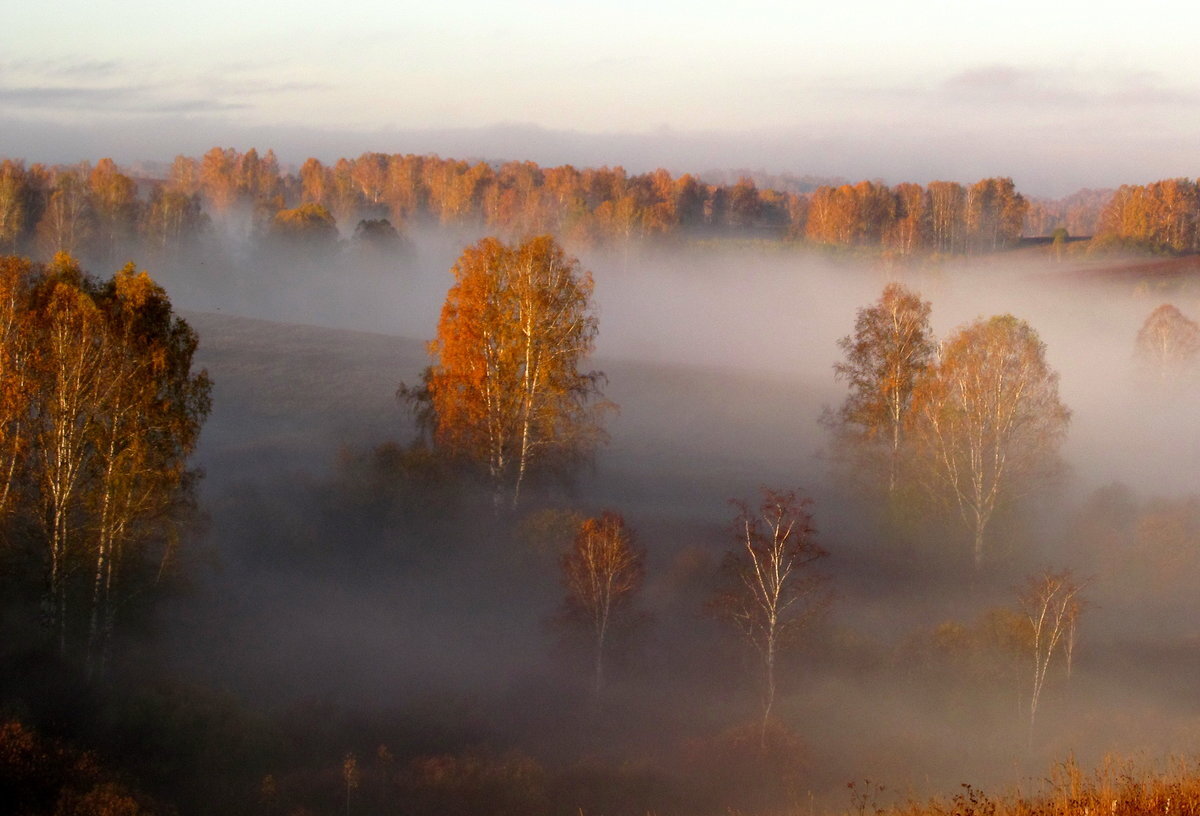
pixel 1163 216
pixel 93 211
pixel 944 217
pixel 99 411
pixel 89 211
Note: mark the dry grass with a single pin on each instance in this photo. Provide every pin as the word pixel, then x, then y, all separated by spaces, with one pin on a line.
pixel 1116 788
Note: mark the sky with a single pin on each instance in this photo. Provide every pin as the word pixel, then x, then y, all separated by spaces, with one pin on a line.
pixel 1059 95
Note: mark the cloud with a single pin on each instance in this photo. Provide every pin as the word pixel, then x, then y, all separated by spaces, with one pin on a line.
pixel 1034 87
pixel 138 99
pixel 251 87
pixel 65 68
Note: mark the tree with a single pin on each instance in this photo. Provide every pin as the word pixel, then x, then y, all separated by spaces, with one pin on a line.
pixel 377 240
pixel 1167 343
pixel 108 411
pixel 66 224
pixel 505 389
pixel 70 334
pixel 14 203
pixel 988 421
pixel 115 206
pixel 947 215
pixel 771 588
pixel 891 349
pixel 351 775
pixel 1058 241
pixel 1051 602
pixel 172 221
pixel 310 225
pixel 217 177
pixel 19 365
pixel 995 213
pixel 602 572
pixel 149 417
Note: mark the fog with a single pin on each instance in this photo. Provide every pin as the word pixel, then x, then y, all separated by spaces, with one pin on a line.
pixel 426 615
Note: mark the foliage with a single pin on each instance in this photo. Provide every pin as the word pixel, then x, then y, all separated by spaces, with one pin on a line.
pixel 602 572
pixel 39 774
pixel 85 210
pixel 308 228
pixel 890 351
pixel 988 422
pixel 1162 216
pixel 1167 344
pixel 505 390
pixel 99 411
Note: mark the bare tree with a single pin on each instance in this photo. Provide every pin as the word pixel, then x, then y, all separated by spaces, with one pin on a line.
pixel 602 573
pixel 1051 602
pixel 772 589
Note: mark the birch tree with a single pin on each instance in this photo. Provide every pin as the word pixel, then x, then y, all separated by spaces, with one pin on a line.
pixel 71 337
pixel 99 411
pixel 988 421
pixel 148 421
pixel 1051 602
pixel 506 387
pixel 890 350
pixel 1168 343
pixel 602 572
pixel 772 588
pixel 20 359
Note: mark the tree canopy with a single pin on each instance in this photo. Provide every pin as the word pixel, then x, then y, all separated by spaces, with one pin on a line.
pixel 891 349
pixel 988 421
pixel 506 389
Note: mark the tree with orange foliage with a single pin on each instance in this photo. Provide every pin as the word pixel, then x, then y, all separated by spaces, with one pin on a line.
pixel 891 349
pixel 987 421
pixel 217 177
pixel 99 411
pixel 310 226
pixel 147 423
pixel 19 364
pixel 602 572
pixel 505 389
pixel 114 202
pixel 14 203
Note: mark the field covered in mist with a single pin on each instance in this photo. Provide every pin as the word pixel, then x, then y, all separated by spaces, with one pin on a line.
pixel 416 613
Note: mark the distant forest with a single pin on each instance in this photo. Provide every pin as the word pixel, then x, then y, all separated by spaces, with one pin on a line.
pixel 90 211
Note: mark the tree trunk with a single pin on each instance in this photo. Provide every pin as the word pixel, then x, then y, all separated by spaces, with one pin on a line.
pixel 769 692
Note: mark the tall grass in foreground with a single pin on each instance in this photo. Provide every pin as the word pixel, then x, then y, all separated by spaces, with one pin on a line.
pixel 1117 787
